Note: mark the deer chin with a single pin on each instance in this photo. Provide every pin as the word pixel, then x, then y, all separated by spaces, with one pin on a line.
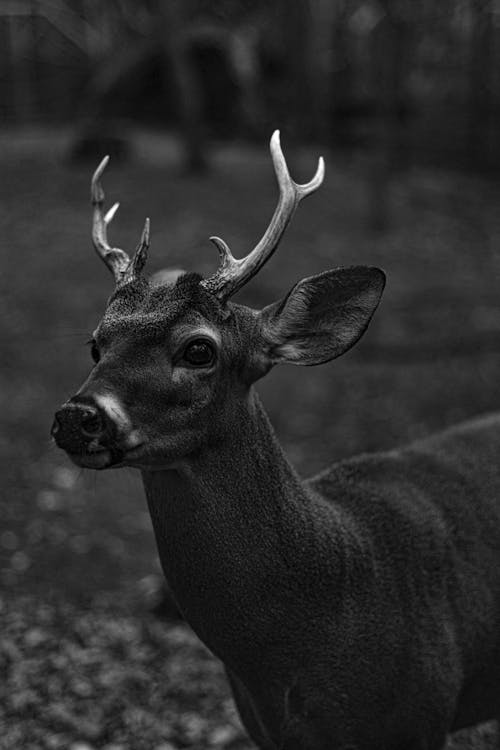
pixel 145 458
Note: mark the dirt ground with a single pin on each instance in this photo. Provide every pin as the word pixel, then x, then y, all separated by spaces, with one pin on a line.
pixel 87 664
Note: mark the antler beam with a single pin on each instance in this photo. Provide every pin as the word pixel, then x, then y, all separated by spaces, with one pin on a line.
pixel 118 261
pixel 234 273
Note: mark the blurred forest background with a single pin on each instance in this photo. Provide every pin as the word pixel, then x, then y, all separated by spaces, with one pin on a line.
pixel 403 100
pixel 417 80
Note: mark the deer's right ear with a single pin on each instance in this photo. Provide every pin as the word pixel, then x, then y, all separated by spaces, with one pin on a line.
pixel 321 317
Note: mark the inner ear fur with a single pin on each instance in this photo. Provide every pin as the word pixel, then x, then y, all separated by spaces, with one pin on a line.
pixel 322 316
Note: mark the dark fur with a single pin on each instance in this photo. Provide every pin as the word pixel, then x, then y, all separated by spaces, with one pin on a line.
pixel 359 609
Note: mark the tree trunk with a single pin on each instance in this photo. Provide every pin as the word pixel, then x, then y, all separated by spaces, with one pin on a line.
pixel 390 43
pixel 301 58
pixel 174 20
pixel 480 105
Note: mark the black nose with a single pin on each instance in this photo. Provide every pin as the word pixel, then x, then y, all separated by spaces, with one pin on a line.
pixel 76 425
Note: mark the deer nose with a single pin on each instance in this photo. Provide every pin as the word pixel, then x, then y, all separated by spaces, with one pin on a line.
pixel 76 425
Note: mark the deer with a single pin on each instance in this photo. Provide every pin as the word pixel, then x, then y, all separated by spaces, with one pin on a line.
pixel 358 609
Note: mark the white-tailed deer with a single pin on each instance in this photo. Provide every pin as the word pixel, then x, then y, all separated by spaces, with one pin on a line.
pixel 358 609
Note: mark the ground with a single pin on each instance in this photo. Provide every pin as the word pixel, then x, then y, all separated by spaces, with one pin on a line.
pixel 86 664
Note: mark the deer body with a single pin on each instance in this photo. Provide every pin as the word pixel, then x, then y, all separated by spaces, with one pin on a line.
pixel 350 610
pixel 357 610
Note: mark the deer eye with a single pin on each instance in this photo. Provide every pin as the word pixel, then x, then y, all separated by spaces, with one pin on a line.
pixel 94 351
pixel 199 353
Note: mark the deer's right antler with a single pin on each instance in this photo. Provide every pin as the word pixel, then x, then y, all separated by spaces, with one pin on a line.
pixel 233 273
pixel 118 261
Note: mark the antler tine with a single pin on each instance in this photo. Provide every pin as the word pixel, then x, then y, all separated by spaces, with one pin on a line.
pixel 138 262
pixel 232 273
pixel 116 260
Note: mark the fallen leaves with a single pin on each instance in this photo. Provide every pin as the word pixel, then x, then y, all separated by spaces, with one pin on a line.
pixel 107 678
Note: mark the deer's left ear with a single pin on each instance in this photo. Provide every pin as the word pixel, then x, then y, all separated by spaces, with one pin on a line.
pixel 321 317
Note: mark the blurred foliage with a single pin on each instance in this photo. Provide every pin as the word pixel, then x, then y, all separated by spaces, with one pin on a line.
pixel 411 81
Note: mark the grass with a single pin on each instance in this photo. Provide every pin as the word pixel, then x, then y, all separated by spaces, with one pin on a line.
pixel 87 666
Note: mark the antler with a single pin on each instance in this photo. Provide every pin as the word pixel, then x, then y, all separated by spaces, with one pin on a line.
pixel 121 266
pixel 233 273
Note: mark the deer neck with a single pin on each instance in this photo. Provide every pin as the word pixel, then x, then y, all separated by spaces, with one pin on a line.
pixel 230 526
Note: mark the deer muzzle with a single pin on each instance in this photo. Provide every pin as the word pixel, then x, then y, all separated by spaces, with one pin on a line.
pixel 95 430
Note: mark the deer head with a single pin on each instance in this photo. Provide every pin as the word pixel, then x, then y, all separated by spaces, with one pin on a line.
pixel 174 361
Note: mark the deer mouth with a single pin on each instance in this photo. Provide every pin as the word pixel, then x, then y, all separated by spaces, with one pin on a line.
pixel 105 458
pixel 102 459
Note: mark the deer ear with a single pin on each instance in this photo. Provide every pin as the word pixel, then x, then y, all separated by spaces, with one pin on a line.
pixel 322 316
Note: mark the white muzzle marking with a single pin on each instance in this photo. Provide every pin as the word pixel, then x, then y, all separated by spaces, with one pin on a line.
pixel 115 411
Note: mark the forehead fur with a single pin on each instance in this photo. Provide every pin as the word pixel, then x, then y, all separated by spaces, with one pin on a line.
pixel 141 304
